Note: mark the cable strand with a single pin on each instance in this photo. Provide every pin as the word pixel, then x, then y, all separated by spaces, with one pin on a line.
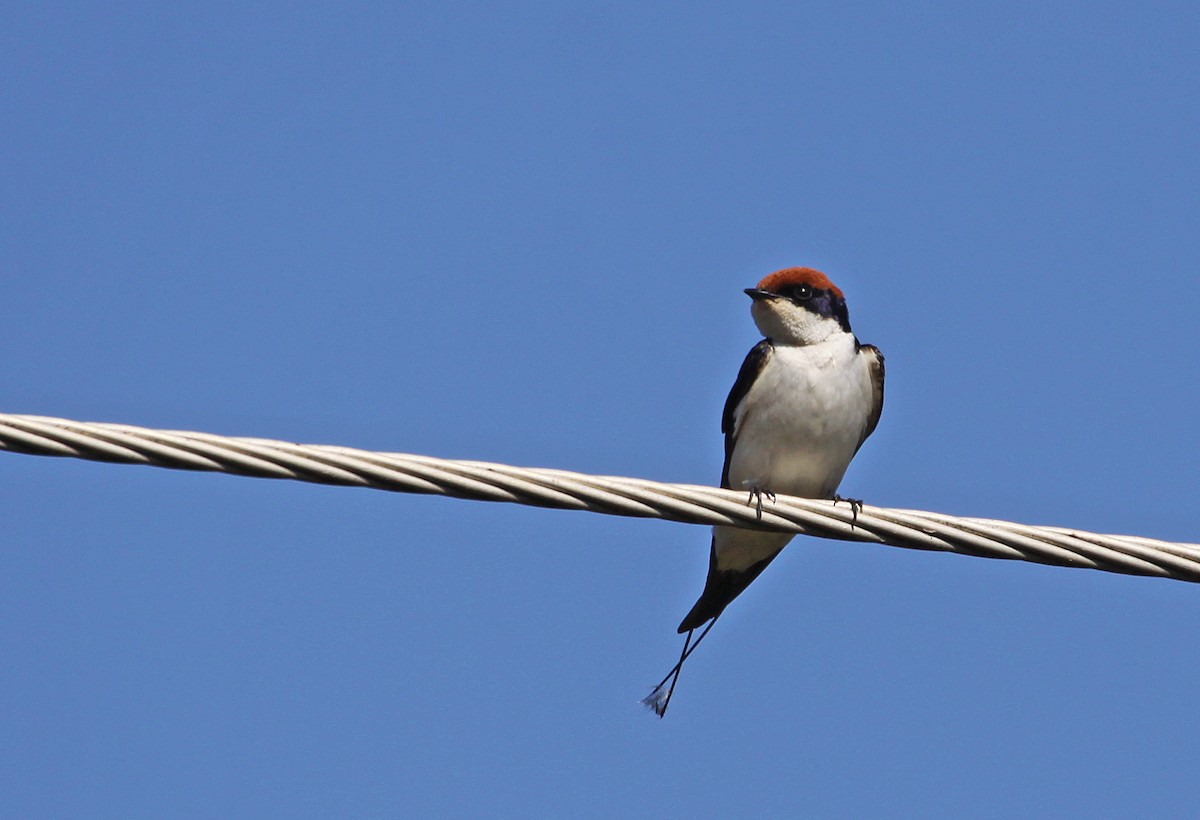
pixel 609 495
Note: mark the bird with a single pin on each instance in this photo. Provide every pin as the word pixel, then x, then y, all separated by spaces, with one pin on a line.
pixel 805 399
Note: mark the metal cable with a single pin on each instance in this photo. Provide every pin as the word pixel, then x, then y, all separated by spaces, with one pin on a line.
pixel 398 472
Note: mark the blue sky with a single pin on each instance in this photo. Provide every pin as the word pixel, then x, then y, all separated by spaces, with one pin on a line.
pixel 520 233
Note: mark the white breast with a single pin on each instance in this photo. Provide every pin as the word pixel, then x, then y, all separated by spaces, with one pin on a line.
pixel 802 419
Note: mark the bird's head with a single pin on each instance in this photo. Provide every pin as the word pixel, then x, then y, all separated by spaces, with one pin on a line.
pixel 798 306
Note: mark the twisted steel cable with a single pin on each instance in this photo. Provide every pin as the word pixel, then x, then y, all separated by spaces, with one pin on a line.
pixel 610 495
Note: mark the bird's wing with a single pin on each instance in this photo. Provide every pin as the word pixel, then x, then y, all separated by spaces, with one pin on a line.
pixel 737 556
pixel 875 362
pixel 753 365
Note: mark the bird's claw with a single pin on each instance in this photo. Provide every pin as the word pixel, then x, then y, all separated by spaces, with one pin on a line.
pixel 855 506
pixel 756 495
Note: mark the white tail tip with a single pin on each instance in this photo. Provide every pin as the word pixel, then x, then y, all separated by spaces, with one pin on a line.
pixel 657 700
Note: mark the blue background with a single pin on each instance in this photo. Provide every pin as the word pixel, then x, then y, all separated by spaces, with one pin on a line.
pixel 520 233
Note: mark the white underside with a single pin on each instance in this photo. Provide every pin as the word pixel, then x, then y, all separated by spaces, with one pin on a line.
pixel 796 431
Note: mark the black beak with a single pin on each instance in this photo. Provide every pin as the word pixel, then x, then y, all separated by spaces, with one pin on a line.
pixel 758 294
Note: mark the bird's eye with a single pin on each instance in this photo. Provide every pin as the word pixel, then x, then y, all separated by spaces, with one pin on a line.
pixel 802 293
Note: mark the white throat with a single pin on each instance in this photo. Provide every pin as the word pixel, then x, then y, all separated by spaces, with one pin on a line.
pixel 785 322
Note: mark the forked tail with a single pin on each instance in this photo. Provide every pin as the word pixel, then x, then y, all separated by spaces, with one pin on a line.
pixel 660 698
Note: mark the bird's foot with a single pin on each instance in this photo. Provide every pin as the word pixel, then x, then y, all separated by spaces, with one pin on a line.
pixel 855 507
pixel 756 496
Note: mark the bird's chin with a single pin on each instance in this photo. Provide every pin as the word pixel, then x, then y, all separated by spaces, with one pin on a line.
pixel 766 317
